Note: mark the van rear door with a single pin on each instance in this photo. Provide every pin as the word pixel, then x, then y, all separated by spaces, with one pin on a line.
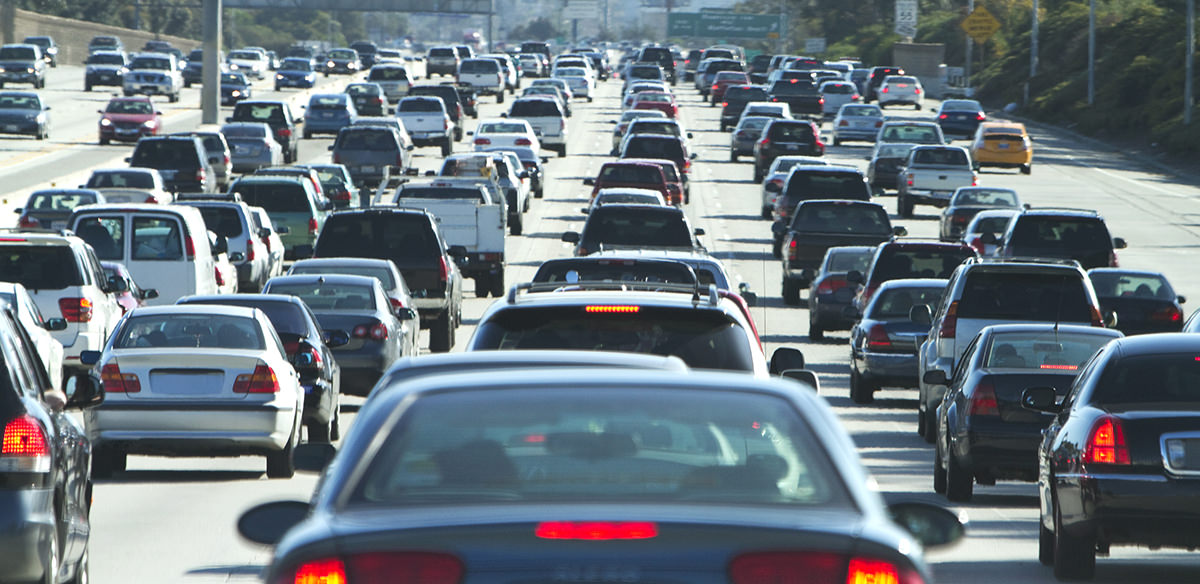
pixel 162 255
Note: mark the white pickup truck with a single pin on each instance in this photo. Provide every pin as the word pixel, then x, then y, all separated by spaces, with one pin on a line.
pixel 930 175
pixel 468 214
pixel 426 121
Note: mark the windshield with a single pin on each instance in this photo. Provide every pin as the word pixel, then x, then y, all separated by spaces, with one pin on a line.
pixel 18 53
pixel 295 65
pixel 105 59
pixel 190 330
pixel 155 63
pixel 124 106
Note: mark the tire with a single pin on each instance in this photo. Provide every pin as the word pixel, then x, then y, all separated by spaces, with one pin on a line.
pixel 562 151
pixel 815 332
pixel 174 98
pixel 539 193
pixel 960 482
pixel 1045 545
pixel 791 292
pixel 1074 557
pixel 42 134
pixel 767 212
pixel 188 84
pixel 307 134
pixel 483 285
pixel 939 473
pixel 903 207
pixel 335 427
pixel 861 390
pixel 777 248
pixel 497 285
pixel 320 433
pixel 516 226
pixel 922 426
pixel 918 106
pixel 758 173
pixel 836 141
pixel 500 97
pixel 282 465
pixel 441 332
pixel 930 425
pixel 1026 169
pixel 104 462
pixel 87 86
pixel 458 134
pixel 447 146
pixel 589 99
pixel 733 156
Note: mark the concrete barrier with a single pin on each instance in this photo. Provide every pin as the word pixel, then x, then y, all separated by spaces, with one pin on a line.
pixel 72 36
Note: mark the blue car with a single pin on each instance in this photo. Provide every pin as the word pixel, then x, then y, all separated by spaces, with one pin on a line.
pixel 234 88
pixel 328 113
pixel 295 72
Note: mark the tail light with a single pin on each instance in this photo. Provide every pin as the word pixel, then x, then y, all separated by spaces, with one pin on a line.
pixel 27 221
pixel 983 400
pixel 1168 314
pixel 395 302
pixel 764 142
pixel 943 117
pixel 337 158
pixel 843 123
pixel 884 90
pixel 201 175
pixel 958 218
pixel 377 331
pixel 877 338
pixel 1097 318
pixel 523 142
pixel 443 270
pixel 917 90
pixel 1112 259
pixel 189 247
pixel 263 380
pixel 830 285
pixel 980 117
pixel 976 243
pixel 25 448
pixel 283 133
pixel 217 275
pixel 714 87
pixel 482 141
pixel 445 123
pixel 811 566
pixel 821 101
pixel 312 226
pixel 76 309
pixel 909 180
pixel 227 160
pixel 395 567
pixel 250 250
pixel 879 124
pixel 1106 443
pixel 950 322
pixel 777 182
pixel 792 250
pixel 687 165
pixel 151 199
pixel 974 180
pixel 724 104
pixel 116 382
pixel 340 194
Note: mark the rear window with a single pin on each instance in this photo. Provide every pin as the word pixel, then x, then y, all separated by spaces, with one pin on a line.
pixel 40 267
pixel 941 156
pixel 705 339
pixel 1127 285
pixel 275 197
pixel 897 263
pixel 1038 296
pixel 910 134
pixel 848 261
pixel 746 94
pixel 1055 350
pixel 287 318
pixel 791 132
pixel 799 87
pixel 639 147
pixel 58 202
pixel 444 52
pixel 479 66
pixel 371 140
pixel 1169 378
pixel 254 112
pixel 223 221
pixel 833 218
pixel 539 108
pixel 419 105
pixel 190 330
pixel 323 296
pixel 388 74
pixel 399 236
pixel 324 102
pixel 629 173
pixel 614 271
pixel 439 193
pixel 816 184
pixel 638 227
pixel 157 238
pixel 897 302
pixel 165 154
pixel 1061 232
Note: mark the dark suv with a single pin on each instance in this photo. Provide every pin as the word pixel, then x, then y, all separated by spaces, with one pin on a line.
pixel 1074 234
pixel 736 98
pixel 181 160
pixel 786 137
pixel 411 239
pixel 276 114
pixel 663 57
pixel 906 259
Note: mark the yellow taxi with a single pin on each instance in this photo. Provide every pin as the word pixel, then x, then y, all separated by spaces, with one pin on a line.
pixel 1003 144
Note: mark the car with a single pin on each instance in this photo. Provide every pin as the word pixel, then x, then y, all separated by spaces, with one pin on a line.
pixel 722 81
pixel 735 100
pixel 234 88
pixel 776 177
pixel 904 259
pixel 985 292
pixel 278 115
pixel 370 153
pixel 105 68
pixel 967 201
pixel 876 78
pixel 634 226
pixel 295 72
pixel 234 364
pixel 960 117
pixel 154 73
pixel 900 90
pixel 129 185
pixel 24 112
pixel 1074 234
pixel 217 151
pixel 627 117
pixel 248 62
pixel 328 113
pixel 128 294
pixel 884 341
pixel 745 135
pixel 813 182
pixel 886 160
pixel 1127 423
pixel 342 61
pixel 50 208
pixel 308 347
pixel 193 71
pixel 985 230
pixel 182 161
pixel 338 186
pixel 781 137
pixel 501 133
pixel 252 146
pixel 831 293
pixel 456 103
pixel 856 122
pixel 693 486
pixel 22 63
pixel 820 224
pixel 532 162
pixel 836 94
pixel 911 132
pixel 105 43
pixel 127 119
pixel 656 100
pixel 984 432
pixel 369 98
pixel 1143 300
pixel 1003 145
pixel 582 85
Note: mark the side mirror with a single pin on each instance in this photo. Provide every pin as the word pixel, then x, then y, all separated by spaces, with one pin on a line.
pixel 689 135
pixel 329 148
pixel 283 229
pixel 470 132
pixel 20 210
pixel 503 115
pixel 89 357
pixel 749 297
pixel 83 392
pixel 101 112
pixel 591 182
pixel 932 526
pixel 1119 242
pixel 920 314
pixel 335 338
pixel 55 324
pixel 698 231
pixel 785 358
pixel 324 205
pixel 855 277
pixel 150 294
pixel 229 120
pixel 430 173
pixel 1041 399
pixel 773 187
pixel 267 523
pixel 1181 299
pixel 804 376
pixel 1110 319
pixel 571 237
pixel 693 156
pixel 778 228
pixel 405 313
pixel 935 377
pixel 899 231
pixel 457 251
pixel 264 232
pixel 410 147
pixel 237 256
pixel 221 245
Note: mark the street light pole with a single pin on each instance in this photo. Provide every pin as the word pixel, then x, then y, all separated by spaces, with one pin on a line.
pixel 1033 42
pixel 1190 49
pixel 1091 52
pixel 970 46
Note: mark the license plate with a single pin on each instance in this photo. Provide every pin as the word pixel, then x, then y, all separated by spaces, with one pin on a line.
pixel 792 146
pixel 366 169
pixel 11 128
pixel 1004 146
pixel 241 149
pixel 106 77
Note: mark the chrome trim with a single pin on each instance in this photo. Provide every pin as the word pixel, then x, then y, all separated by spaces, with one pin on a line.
pixel 1166 462
pixel 1112 477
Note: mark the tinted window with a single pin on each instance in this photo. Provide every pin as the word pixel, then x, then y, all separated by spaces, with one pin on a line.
pixel 1170 378
pixel 388 74
pixel 614 271
pixel 897 263
pixel 370 140
pixel 224 221
pixel 746 94
pixel 815 184
pixel 106 235
pixel 165 154
pixel 48 267
pixel 1127 285
pixel 439 193
pixel 1007 295
pixel 419 105
pixel 653 148
pixel 276 197
pixel 322 296
pixel 402 236
pixel 534 108
pixel 941 156
pixel 444 52
pixel 156 238
pixel 479 66
pixel 1065 232
pixel 630 173
pixel 790 132
pixel 825 218
pixel 383 275
pixel 636 227
pixel 254 112
pixel 846 261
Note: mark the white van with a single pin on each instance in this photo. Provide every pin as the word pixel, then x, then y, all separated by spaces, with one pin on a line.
pixel 165 247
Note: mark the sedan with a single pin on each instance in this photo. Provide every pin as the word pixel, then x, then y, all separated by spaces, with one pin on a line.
pixel 328 113
pixel 657 100
pixel 198 381
pixel 379 334
pixel 856 121
pixel 983 432
pixel 960 117
pixel 502 133
pixel 628 471
pixel 252 146
pixel 899 89
pixel 295 72
pixel 1117 463
pixel 966 202
pixel 885 341
pixel 127 119
pixel 1144 301
pixel 234 88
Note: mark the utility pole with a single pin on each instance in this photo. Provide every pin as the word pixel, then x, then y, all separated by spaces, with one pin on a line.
pixel 1033 42
pixel 1191 49
pixel 210 90
pixel 1091 52
pixel 970 46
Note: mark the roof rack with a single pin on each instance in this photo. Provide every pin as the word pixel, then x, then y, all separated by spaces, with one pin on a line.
pixel 709 294
pixel 224 197
pixel 1025 260
pixel 1072 209
pixel 37 230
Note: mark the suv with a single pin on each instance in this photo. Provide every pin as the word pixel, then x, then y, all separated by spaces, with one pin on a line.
pixel 663 57
pixel 633 226
pixel 154 74
pixel 547 118
pixel 453 100
pixel 781 137
pixel 218 152
pixel 105 43
pixel 182 162
pixel 278 115
pixel 393 79
pixel 22 63
pixel 735 101
pixel 1075 234
pixel 987 292
pixel 412 240
pixel 296 209
pixel 64 277
pixel 906 259
pixel 441 61
pixel 234 221
pixel 368 152
pixel 105 68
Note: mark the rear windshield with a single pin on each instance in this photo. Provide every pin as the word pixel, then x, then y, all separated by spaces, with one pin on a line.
pixel 58 201
pixel 848 261
pixel 897 302
pixel 1061 232
pixel 246 131
pixel 800 87
pixel 1038 297
pixel 370 140
pixel 439 193
pixel 922 134
pixel 705 339
pixel 479 66
pixel 388 74
pixel 190 330
pixel 445 52
pixel 165 154
pixel 653 148
pixel 986 197
pixel 897 263
pixel 1037 351
pixel 287 318
pixel 815 184
pixel 259 113
pixel 420 105
pixel 326 102
pixel 790 132
pixel 42 267
pixel 629 173
pixel 275 197
pixel 615 270
pixel 383 275
pixel 638 227
pixel 1169 378
pixel 746 94
pixel 323 296
pixel 941 156
pixel 833 218
pixel 399 236
pixel 534 108
pixel 224 221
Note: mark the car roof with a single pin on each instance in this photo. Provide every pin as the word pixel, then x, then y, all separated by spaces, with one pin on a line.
pixel 913 283
pixel 220 309
pixel 324 279
pixel 1056 212
pixel 345 261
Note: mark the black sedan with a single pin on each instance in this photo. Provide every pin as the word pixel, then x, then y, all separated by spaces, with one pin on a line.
pixel 358 305
pixel 44 466
pixel 960 117
pixel 966 202
pixel 234 88
pixel 1144 302
pixel 983 433
pixel 885 340
pixel 540 475
pixel 1118 464
pixel 309 350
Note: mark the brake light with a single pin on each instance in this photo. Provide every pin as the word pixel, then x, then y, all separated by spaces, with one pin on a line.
pixel 612 309
pixel 870 571
pixel 312 226
pixel 596 530
pixel 263 380
pixel 764 142
pixel 943 117
pixel 909 179
pixel 958 218
pixel 974 180
pixel 885 90
pixel 75 309
pixel 979 116
pixel 523 142
pixel 843 123
pixel 714 87
pixel 1097 318
pixel 811 566
pixel 724 104
pixel 24 446
pixel 151 199
pixel 917 90
pixel 877 338
pixel 482 141
pixel 1168 314
pixel 217 275
pixel 983 400
pixel 395 302
pixel 200 175
pixel 337 158
pixel 830 285
pixel 189 247
pixel 116 382
pixel 283 133
pixel 341 194
pixel 443 270
pixel 821 101
pixel 1106 443
pixel 950 322
pixel 792 249
pixel 331 571
pixel 27 221
pixel 250 250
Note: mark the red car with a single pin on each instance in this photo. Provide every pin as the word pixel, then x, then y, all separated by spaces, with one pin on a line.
pixel 127 119
pixel 638 175
pixel 656 100
pixel 724 80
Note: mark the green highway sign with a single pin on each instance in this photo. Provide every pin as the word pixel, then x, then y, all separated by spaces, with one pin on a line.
pixel 723 25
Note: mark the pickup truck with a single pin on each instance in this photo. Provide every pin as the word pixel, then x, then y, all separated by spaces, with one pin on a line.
pixel 819 225
pixel 802 96
pixel 493 170
pixel 930 175
pixel 426 121
pixel 467 215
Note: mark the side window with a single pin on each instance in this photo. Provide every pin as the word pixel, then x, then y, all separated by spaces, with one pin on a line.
pixel 95 270
pixel 157 238
pixel 106 235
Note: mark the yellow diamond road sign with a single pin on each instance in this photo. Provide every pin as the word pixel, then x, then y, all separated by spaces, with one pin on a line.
pixel 980 24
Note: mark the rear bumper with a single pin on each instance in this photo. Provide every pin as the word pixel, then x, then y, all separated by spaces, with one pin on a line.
pixel 887 369
pixel 26 526
pixel 1134 509
pixel 191 427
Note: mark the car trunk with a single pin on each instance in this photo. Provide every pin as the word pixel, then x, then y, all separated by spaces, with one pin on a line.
pixel 186 373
